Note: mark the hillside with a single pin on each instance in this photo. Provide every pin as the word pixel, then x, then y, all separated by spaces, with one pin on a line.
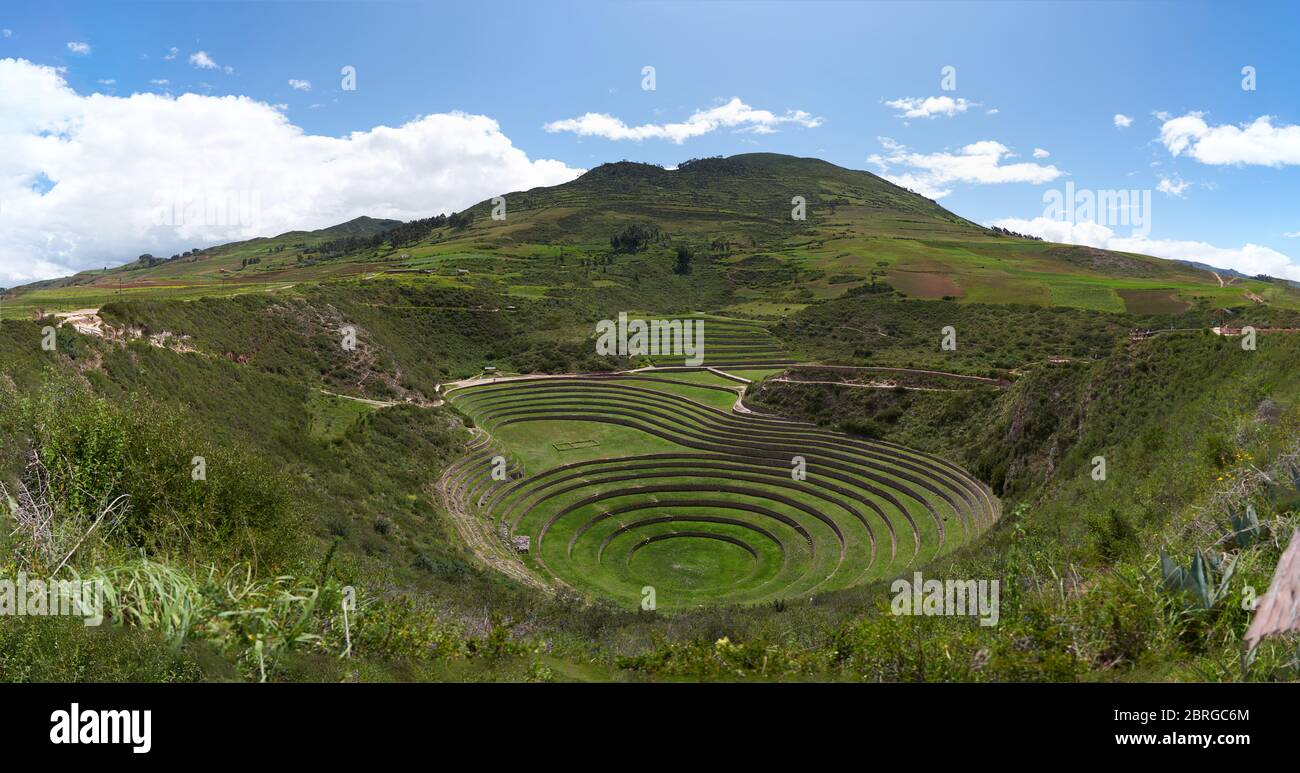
pixel 221 270
pixel 373 465
pixel 310 491
pixel 733 218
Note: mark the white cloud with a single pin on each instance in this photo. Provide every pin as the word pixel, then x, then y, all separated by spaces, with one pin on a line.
pixel 7 33
pixel 201 60
pixel 1122 121
pixel 1173 186
pixel 1040 153
pixel 160 82
pixel 171 53
pixel 732 115
pixel 930 107
pixel 1249 259
pixel 78 48
pixel 1291 234
pixel 934 174
pixel 107 82
pixel 124 167
pixel 300 85
pixel 1259 143
pixel 991 111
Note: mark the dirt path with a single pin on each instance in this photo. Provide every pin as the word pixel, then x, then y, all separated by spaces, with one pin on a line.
pixel 740 407
pixel 479 380
pixel 730 376
pixel 872 385
pixel 476 531
pixel 375 403
pixel 997 382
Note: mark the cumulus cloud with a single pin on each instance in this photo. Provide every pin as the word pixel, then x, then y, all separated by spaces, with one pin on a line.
pixel 294 83
pixel 735 115
pixel 934 174
pixel 1258 143
pixel 203 61
pixel 95 180
pixel 78 48
pixel 160 82
pixel 1249 259
pixel 1122 121
pixel 1173 186
pixel 1040 153
pixel 172 53
pixel 930 107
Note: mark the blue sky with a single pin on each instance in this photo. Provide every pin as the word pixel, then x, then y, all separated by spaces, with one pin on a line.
pixel 810 79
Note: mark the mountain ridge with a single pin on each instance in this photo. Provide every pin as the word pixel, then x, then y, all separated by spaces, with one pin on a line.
pixel 828 229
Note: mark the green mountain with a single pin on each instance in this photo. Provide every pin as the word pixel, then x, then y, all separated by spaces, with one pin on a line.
pixel 418 415
pixel 739 221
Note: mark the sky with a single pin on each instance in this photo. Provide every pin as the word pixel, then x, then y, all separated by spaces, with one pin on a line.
pixel 1171 129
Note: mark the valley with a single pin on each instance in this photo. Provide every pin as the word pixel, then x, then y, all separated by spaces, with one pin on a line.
pixel 425 414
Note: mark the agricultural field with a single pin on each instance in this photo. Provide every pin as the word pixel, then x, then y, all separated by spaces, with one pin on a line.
pixel 654 481
pixel 517 503
pixel 748 258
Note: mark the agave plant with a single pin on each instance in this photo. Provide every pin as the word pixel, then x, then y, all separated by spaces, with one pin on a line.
pixel 1285 492
pixel 1246 528
pixel 1199 578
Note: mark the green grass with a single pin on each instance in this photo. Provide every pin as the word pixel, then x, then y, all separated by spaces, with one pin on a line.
pixel 331 417
pixel 556 243
pixel 836 529
pixel 1180 419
